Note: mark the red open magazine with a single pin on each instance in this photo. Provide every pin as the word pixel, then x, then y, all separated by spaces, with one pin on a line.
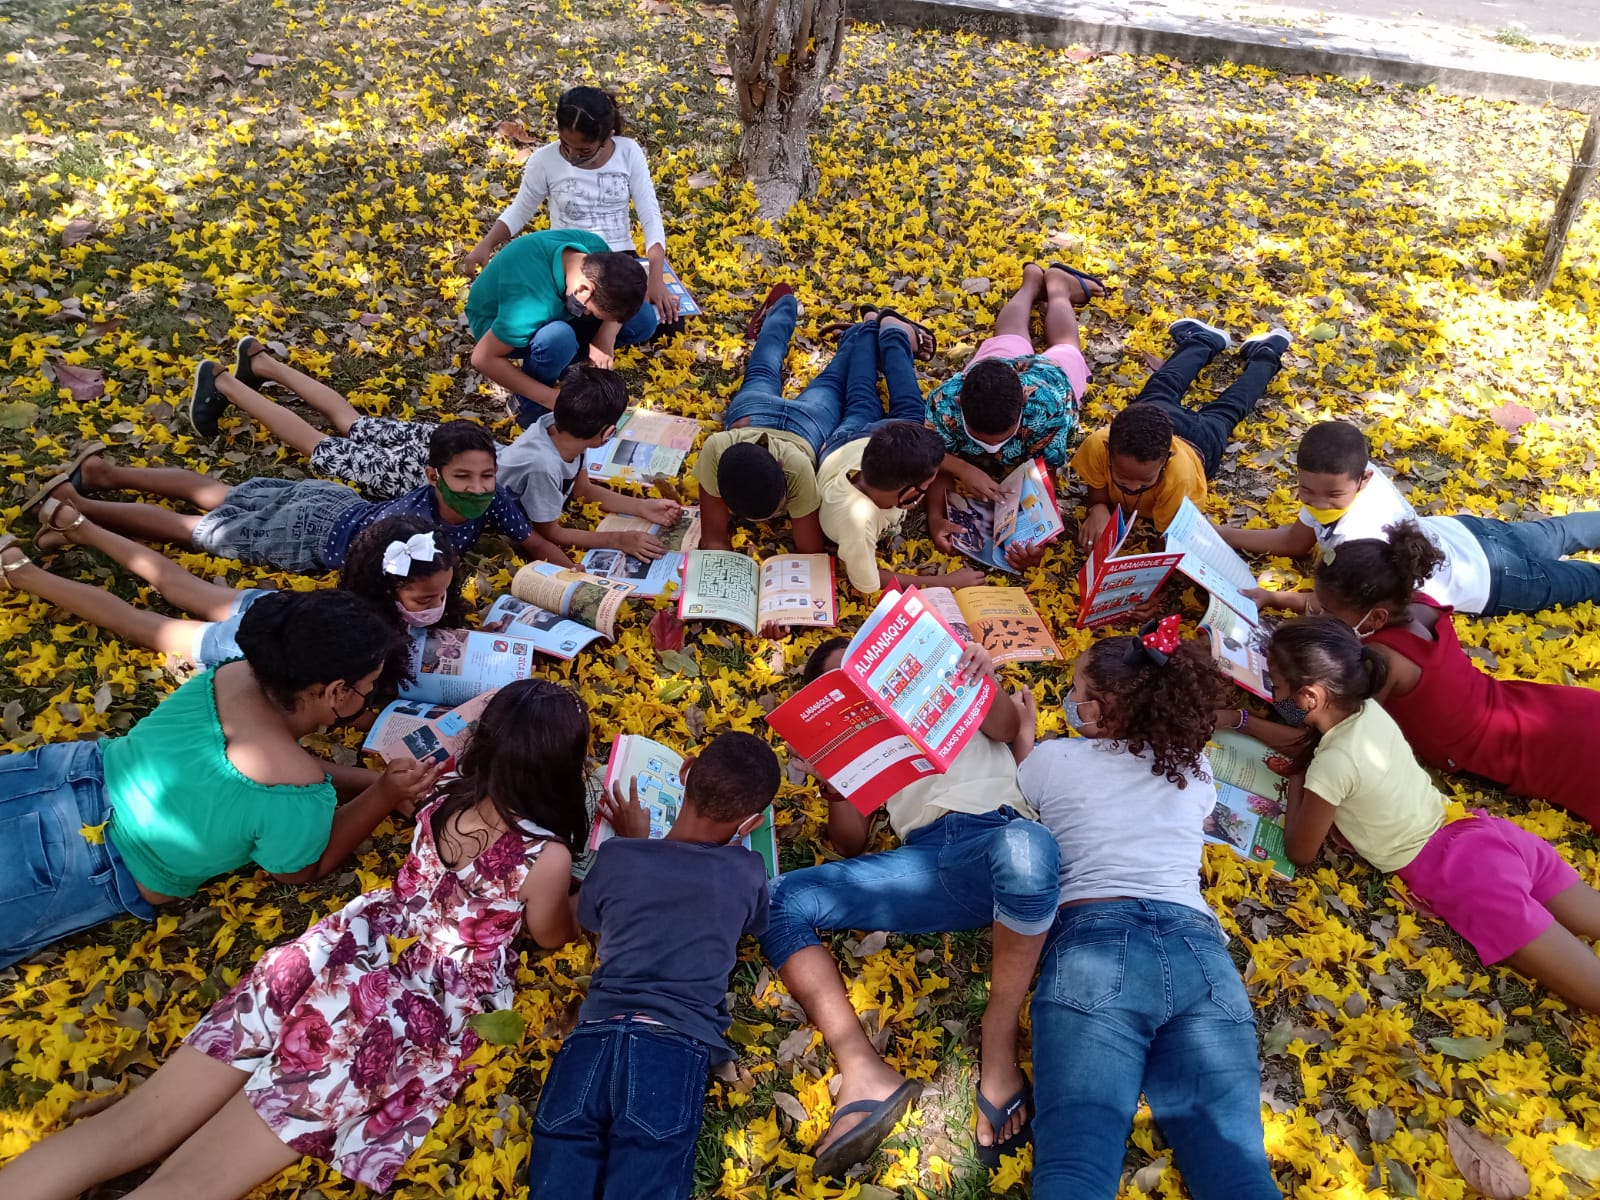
pixel 894 712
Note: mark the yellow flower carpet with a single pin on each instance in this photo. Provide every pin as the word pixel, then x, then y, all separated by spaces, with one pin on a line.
pixel 174 175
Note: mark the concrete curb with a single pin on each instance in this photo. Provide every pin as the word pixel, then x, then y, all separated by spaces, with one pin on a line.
pixel 1489 75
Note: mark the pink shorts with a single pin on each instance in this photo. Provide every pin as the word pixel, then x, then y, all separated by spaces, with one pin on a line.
pixel 1489 880
pixel 1065 355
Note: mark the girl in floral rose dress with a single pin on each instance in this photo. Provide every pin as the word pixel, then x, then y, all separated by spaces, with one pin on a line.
pixel 347 1043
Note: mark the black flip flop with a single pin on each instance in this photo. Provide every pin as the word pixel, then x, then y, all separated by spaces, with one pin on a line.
pixel 859 1144
pixel 249 347
pixel 206 404
pixel 1083 278
pixel 990 1156
pixel 925 344
pixel 753 325
pixel 71 472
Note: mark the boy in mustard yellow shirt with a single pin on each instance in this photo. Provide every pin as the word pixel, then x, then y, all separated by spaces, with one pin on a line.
pixel 1156 452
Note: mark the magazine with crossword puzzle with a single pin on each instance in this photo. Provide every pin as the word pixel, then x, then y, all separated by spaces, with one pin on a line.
pixel 788 589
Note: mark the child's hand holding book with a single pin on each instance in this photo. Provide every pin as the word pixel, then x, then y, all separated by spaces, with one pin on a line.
pixel 628 817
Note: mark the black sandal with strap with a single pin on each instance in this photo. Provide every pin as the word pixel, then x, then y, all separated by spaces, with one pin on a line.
pixel 924 342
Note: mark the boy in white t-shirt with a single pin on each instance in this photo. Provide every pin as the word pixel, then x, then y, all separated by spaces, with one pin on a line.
pixel 1491 567
pixel 544 467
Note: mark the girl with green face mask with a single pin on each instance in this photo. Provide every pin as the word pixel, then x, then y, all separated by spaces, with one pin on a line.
pixel 301 524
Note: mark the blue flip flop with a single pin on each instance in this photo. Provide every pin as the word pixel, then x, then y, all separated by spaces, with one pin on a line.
pixel 997 1117
pixel 859 1144
pixel 1084 278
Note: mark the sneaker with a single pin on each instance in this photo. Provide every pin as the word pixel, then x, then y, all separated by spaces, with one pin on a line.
pixel 206 404
pixel 1273 344
pixel 249 347
pixel 1191 330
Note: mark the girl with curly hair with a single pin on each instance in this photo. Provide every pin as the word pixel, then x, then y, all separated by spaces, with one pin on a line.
pixel 346 1043
pixel 1500 887
pixel 1136 992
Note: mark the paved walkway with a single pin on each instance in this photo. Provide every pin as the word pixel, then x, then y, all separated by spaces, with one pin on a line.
pixel 1467 47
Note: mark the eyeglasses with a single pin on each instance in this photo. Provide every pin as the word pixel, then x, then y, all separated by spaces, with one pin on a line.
pixel 918 492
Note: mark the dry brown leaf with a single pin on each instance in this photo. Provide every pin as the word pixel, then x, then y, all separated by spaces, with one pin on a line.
pixel 794 1045
pixel 660 8
pixel 1380 1123
pixel 722 70
pixel 977 285
pixel 1485 1164
pixel 264 60
pixel 872 944
pixel 702 179
pixel 791 1105
pixel 79 229
pixel 85 383
pixel 1080 54
pixel 514 131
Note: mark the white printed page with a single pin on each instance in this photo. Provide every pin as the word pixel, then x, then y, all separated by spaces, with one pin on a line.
pixel 1210 561
pixel 720 585
pixel 797 590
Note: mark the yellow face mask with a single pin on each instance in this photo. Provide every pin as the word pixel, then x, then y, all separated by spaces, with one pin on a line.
pixel 1324 516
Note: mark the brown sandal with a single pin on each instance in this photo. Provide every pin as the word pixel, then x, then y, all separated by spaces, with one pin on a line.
pixel 8 542
pixel 48 525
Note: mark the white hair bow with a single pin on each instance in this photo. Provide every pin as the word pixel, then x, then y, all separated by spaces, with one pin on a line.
pixel 398 556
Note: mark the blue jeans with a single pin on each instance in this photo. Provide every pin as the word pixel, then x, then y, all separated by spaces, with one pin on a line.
pixel 1209 428
pixel 619 1114
pixel 963 871
pixel 814 413
pixel 53 880
pixel 1141 996
pixel 555 346
pixel 865 350
pixel 1527 573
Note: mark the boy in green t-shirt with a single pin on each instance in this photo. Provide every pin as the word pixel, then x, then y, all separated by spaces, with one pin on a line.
pixel 544 298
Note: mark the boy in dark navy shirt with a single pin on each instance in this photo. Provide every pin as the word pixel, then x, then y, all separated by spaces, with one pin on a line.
pixel 621 1108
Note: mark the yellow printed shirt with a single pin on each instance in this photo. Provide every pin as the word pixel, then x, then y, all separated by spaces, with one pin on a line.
pixel 791 450
pixel 1387 805
pixel 849 517
pixel 1184 475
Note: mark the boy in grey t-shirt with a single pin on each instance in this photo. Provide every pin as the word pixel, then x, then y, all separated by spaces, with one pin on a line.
pixel 543 468
pixel 620 1111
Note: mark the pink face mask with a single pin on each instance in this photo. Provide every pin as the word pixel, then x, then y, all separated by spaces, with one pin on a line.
pixel 421 618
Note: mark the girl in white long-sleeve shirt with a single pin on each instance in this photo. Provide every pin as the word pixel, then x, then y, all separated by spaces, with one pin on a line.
pixel 589 175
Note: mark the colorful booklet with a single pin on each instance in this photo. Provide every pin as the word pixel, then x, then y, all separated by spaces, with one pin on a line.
pixel 646 446
pixel 426 732
pixel 647 578
pixel 688 306
pixel 1002 620
pixel 1249 811
pixel 1026 515
pixel 656 767
pixel 1234 646
pixel 894 712
pixel 724 585
pixel 552 610
pixel 1110 586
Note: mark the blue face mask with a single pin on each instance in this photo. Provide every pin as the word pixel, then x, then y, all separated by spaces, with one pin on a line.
pixel 1290 711
pixel 1073 711
pixel 576 309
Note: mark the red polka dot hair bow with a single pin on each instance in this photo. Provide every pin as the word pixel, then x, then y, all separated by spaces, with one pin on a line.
pixel 1158 640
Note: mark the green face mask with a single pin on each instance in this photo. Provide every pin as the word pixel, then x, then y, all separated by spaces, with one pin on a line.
pixel 470 505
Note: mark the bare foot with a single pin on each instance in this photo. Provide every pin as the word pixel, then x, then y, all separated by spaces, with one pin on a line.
pixel 877 1084
pixel 998 1084
pixel 1079 291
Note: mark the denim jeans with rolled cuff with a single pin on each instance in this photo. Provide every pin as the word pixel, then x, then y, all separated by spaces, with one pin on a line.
pixel 1527 570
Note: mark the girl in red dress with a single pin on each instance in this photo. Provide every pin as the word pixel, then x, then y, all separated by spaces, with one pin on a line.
pixel 1531 738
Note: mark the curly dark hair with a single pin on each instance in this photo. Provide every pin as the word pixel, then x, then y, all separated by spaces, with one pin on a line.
pixel 1166 709
pixel 1368 572
pixel 363 572
pixel 1142 432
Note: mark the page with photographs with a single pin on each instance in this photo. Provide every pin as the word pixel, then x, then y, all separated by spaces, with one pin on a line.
pixel 451 666
pixel 591 600
pixel 907 657
pixel 646 445
pixel 797 589
pixel 1234 646
pixel 688 306
pixel 647 578
pixel 1005 623
pixel 1248 816
pixel 426 732
pixel 1027 513
pixel 550 634
pixel 657 769
pixel 1211 562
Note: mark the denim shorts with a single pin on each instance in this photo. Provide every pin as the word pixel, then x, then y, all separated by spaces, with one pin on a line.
pixel 219 640
pixel 54 880
pixel 283 523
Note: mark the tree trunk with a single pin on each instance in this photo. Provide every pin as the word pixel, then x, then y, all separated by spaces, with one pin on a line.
pixel 782 52
pixel 1570 203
